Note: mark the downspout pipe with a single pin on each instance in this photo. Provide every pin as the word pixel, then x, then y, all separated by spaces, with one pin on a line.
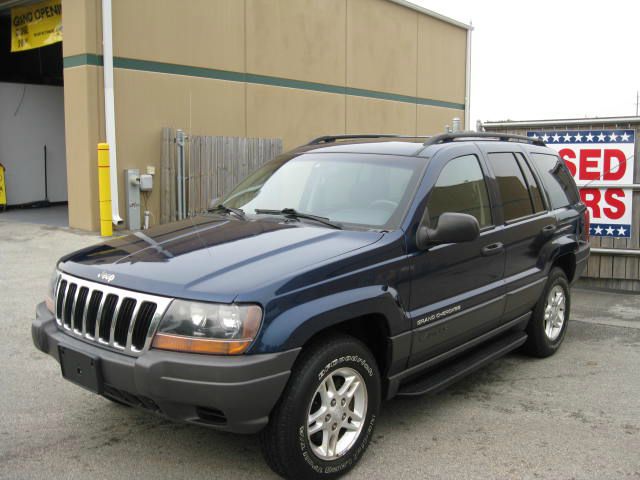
pixel 467 93
pixel 109 108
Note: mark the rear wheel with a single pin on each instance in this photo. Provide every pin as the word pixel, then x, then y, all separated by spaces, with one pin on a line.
pixel 548 324
pixel 323 422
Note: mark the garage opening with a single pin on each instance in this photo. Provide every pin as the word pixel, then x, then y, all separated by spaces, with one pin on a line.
pixel 32 137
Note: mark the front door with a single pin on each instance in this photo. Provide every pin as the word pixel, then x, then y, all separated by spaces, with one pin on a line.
pixel 457 290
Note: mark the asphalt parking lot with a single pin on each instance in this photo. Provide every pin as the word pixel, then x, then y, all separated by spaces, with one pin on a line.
pixel 575 415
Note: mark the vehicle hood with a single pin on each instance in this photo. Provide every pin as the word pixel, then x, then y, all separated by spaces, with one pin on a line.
pixel 213 258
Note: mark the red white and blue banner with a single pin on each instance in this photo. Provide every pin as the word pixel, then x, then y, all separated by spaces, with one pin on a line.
pixel 599 161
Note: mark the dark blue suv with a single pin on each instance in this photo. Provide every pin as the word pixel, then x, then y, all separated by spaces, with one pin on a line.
pixel 346 272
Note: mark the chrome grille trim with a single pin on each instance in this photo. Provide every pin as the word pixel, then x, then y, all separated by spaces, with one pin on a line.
pixel 84 312
pixel 161 303
pixel 114 322
pixel 134 316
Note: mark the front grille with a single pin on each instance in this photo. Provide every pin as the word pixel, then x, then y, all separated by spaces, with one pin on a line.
pixel 113 317
pixel 79 309
pixel 125 314
pixel 69 303
pixel 62 289
pixel 92 312
pixel 141 327
pixel 108 310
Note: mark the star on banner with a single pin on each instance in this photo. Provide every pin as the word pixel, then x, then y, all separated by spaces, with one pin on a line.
pixel 578 137
pixel 624 137
pixel 567 137
pixel 556 138
pixel 622 231
pixel 613 136
pixel 610 231
pixel 589 137
pixel 545 138
pixel 598 230
pixel 601 137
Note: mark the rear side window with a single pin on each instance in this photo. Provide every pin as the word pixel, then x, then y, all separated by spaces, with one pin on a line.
pixel 514 193
pixel 556 179
pixel 534 189
pixel 460 188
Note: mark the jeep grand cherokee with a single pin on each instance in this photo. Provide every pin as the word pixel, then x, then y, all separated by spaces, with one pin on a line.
pixel 346 272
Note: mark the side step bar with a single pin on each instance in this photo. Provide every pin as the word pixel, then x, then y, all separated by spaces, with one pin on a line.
pixel 478 358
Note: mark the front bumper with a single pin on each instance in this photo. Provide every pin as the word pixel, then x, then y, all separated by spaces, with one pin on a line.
pixel 234 393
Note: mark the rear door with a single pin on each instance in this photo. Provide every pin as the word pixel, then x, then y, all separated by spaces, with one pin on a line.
pixel 456 289
pixel 527 224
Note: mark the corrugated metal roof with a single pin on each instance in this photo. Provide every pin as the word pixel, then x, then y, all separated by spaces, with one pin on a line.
pixel 562 121
pixel 405 3
pixel 14 3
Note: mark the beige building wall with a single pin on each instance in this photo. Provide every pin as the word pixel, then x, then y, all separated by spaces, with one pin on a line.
pixel 303 40
pixel 259 68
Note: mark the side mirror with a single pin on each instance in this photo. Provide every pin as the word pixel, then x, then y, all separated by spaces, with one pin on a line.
pixel 451 228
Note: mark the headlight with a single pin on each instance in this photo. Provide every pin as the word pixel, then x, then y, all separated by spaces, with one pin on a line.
pixel 208 327
pixel 49 298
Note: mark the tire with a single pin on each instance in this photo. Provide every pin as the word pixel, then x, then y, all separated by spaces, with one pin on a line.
pixel 286 445
pixel 545 335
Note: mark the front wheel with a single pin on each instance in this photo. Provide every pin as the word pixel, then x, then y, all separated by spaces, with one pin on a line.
pixel 548 324
pixel 323 422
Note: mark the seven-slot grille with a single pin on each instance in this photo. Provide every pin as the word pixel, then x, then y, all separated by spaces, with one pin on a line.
pixel 109 316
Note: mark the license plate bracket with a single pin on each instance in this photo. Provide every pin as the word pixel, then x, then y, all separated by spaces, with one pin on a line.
pixel 81 368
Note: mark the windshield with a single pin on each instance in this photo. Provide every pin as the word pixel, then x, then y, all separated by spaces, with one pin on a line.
pixel 365 190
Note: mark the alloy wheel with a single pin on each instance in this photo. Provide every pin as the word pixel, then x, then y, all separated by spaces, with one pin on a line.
pixel 554 312
pixel 336 414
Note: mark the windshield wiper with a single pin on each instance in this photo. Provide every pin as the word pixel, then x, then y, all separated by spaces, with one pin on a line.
pixel 291 212
pixel 224 209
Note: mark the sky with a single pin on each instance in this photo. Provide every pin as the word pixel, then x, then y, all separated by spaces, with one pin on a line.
pixel 549 59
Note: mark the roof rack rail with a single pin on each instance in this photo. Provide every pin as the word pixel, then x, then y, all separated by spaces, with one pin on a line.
pixel 333 138
pixel 505 137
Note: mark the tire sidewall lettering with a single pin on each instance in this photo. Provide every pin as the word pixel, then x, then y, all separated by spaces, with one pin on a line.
pixel 346 358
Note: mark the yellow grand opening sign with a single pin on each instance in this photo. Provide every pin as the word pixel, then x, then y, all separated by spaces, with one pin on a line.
pixel 36 25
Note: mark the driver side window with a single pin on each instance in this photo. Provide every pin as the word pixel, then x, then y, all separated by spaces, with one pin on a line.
pixel 460 188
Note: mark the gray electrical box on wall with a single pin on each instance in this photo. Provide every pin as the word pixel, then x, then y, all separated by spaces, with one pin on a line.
pixel 146 182
pixel 132 189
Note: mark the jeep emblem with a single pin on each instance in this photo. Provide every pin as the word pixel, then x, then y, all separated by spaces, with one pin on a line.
pixel 107 277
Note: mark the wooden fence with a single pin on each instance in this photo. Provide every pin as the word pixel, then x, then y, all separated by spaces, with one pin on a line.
pixel 212 165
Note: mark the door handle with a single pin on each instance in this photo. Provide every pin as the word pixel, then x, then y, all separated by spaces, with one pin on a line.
pixel 548 229
pixel 492 249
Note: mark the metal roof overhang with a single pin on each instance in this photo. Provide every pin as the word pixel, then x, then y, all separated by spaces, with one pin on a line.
pixel 563 121
pixel 14 3
pixel 431 13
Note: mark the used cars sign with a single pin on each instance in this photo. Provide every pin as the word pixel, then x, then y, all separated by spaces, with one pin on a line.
pixel 599 161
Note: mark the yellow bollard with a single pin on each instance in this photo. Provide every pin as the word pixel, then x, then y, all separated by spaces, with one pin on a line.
pixel 3 191
pixel 104 190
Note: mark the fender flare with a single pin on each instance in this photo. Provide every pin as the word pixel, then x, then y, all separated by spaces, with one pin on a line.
pixel 300 323
pixel 559 247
